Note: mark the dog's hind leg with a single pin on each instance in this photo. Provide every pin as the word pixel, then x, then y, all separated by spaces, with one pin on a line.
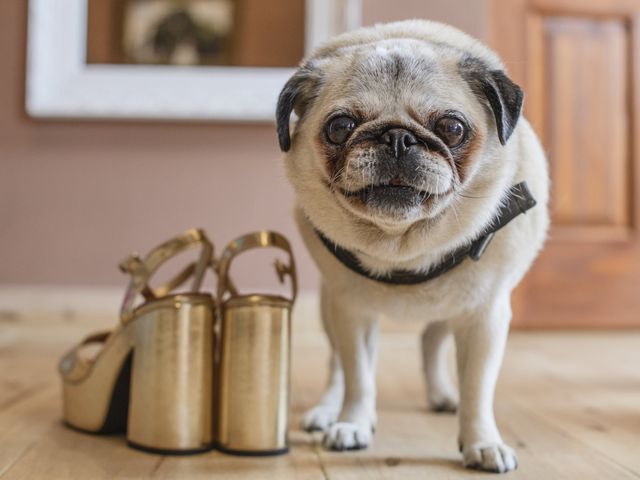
pixel 442 395
pixel 326 412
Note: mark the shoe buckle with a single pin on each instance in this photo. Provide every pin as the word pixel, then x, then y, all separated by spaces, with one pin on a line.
pixel 282 270
pixel 132 264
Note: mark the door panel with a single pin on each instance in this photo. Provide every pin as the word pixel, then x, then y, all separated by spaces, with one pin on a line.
pixel 578 61
pixel 586 131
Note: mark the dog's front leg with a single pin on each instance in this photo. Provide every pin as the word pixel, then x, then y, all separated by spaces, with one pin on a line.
pixel 355 337
pixel 480 341
pixel 326 412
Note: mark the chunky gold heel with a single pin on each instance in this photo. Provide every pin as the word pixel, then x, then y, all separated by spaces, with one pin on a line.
pixel 170 408
pixel 253 372
pixel 153 375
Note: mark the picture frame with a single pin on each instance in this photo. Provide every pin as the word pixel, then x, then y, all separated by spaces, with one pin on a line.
pixel 61 85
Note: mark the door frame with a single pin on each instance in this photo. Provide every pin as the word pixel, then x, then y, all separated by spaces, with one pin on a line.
pixel 511 24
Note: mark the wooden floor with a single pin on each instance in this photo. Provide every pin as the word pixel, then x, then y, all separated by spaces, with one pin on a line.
pixel 569 403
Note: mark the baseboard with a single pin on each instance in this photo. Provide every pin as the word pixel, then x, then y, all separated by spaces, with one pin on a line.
pixel 30 298
pixel 24 300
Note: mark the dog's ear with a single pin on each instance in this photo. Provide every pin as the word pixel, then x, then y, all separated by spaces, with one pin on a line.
pixel 297 94
pixel 504 97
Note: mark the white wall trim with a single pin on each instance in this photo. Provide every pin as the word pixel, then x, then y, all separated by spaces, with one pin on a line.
pixel 26 299
pixel 61 85
pixel 30 299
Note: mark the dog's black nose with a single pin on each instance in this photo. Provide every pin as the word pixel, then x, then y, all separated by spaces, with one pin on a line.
pixel 399 139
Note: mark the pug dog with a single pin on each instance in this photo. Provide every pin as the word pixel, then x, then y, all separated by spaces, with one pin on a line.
pixel 405 151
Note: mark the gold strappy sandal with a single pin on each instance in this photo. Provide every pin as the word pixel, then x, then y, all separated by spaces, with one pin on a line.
pixel 253 370
pixel 154 372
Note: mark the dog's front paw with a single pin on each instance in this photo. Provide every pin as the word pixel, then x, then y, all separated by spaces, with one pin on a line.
pixel 319 418
pixel 348 436
pixel 489 456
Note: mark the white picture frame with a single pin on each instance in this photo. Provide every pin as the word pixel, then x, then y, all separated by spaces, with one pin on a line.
pixel 61 85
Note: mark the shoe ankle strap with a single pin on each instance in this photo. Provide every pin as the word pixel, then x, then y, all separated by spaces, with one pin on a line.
pixel 141 270
pixel 251 241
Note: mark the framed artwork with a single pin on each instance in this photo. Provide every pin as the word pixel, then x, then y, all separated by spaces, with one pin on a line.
pixel 171 59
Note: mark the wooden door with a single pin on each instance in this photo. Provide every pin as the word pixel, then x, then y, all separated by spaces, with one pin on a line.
pixel 579 64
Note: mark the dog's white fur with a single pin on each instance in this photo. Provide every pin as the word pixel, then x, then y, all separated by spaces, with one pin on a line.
pixel 472 301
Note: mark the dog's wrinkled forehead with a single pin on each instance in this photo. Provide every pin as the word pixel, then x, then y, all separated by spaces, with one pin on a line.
pixel 398 75
pixel 389 60
pixel 393 75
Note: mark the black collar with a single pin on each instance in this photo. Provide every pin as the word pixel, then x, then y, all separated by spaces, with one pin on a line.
pixel 518 200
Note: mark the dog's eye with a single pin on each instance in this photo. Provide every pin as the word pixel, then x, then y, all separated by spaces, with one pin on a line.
pixel 450 130
pixel 339 129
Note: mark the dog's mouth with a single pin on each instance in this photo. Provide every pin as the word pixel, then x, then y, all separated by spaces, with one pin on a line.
pixel 395 194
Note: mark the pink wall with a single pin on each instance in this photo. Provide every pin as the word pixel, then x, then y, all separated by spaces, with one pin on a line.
pixel 468 15
pixel 75 197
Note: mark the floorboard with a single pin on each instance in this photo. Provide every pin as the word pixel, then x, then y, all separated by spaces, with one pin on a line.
pixel 569 403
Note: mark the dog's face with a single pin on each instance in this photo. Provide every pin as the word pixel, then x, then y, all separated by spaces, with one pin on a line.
pixel 397 127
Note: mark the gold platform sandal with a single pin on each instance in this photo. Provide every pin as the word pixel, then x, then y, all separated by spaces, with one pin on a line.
pixel 253 369
pixel 153 374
